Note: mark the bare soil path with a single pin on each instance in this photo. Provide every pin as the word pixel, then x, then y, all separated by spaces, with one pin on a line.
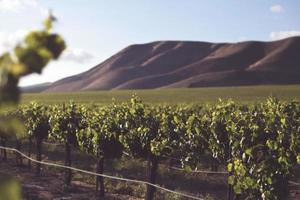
pixel 50 185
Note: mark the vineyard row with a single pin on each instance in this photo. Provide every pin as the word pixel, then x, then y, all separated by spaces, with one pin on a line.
pixel 259 144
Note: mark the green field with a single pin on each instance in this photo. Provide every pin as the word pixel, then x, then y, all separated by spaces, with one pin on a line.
pixel 247 94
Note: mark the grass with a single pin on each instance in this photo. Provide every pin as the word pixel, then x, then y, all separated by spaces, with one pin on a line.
pixel 245 94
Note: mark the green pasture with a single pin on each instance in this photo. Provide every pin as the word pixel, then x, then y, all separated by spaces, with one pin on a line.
pixel 246 94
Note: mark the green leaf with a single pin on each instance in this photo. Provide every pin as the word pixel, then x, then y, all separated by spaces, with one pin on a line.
pixel 230 167
pixel 298 159
pixel 237 189
pixel 231 180
pixel 248 152
pixel 269 180
pixel 187 168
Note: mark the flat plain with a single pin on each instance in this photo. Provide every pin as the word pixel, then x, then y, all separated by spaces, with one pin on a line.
pixel 242 94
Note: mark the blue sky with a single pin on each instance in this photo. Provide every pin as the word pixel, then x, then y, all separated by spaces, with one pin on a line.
pixel 97 29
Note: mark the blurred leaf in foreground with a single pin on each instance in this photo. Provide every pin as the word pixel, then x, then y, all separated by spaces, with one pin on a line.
pixel 10 188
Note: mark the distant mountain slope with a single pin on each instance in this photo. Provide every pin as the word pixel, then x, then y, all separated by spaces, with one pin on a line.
pixel 191 64
pixel 36 88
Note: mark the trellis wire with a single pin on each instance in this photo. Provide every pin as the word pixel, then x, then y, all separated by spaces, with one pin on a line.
pixel 103 175
pixel 122 179
pixel 191 171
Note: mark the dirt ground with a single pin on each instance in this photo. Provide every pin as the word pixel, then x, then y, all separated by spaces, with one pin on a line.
pixel 50 186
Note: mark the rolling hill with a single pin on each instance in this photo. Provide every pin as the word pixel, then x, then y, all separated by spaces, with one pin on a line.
pixel 183 64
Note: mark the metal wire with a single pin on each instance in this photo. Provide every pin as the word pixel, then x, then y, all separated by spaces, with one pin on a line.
pixel 198 171
pixel 183 170
pixel 103 175
pixel 294 183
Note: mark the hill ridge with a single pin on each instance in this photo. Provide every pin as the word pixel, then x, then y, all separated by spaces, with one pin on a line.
pixel 168 64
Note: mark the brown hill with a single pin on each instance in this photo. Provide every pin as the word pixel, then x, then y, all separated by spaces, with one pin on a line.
pixel 191 64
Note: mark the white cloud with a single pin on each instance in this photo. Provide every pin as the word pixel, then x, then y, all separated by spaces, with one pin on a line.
pixel 283 34
pixel 242 39
pixel 277 8
pixel 77 55
pixel 16 5
pixel 9 40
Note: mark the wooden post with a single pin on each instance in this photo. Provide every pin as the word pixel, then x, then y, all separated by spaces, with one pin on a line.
pixel 4 153
pixel 38 156
pixel 151 173
pixel 99 179
pixel 230 192
pixel 68 162
pixel 29 152
pixel 19 159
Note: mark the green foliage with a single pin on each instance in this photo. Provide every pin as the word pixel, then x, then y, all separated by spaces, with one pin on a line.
pixel 66 121
pixel 37 120
pixel 30 56
pixel 102 132
pixel 9 188
pixel 10 122
pixel 259 144
pixel 48 22
pixel 241 95
pixel 147 130
pixel 264 147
